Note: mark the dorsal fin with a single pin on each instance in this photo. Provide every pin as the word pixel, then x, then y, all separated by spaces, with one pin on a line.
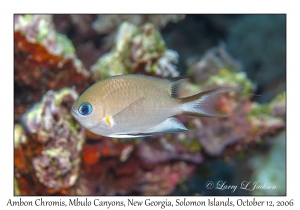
pixel 176 85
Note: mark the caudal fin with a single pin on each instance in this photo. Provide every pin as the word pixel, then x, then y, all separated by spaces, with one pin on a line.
pixel 206 104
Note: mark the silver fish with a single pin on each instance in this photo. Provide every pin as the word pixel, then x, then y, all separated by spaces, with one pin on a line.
pixel 129 106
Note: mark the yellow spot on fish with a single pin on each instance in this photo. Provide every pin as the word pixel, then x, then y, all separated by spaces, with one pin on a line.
pixel 107 119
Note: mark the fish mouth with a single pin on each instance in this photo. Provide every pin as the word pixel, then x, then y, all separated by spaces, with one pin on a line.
pixel 73 112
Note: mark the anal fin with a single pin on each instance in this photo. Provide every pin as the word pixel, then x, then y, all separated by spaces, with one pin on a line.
pixel 170 125
pixel 129 135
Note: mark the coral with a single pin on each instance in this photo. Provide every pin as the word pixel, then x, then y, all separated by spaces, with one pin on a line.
pixel 218 69
pixel 250 122
pixel 107 164
pixel 164 148
pixel 164 177
pixel 115 167
pixel 88 44
pixel 53 142
pixel 54 168
pixel 19 153
pixel 19 135
pixel 277 106
pixel 107 23
pixel 137 50
pixel 165 65
pixel 43 60
pixel 268 118
pixel 215 135
pixel 238 130
pixel 214 60
pixel 40 29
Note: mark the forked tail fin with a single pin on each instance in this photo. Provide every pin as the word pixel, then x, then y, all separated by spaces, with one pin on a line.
pixel 205 104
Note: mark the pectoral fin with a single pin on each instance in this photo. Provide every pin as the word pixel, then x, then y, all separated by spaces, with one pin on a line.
pixel 130 114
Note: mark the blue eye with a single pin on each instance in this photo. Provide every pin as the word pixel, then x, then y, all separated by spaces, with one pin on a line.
pixel 85 109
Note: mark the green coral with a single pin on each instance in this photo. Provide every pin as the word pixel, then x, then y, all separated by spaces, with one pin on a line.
pixel 65 43
pixel 113 63
pixel 54 152
pixel 108 65
pixel 258 110
pixel 40 118
pixel 61 94
pixel 151 42
pixel 40 25
pixel 192 145
pixel 19 135
pixel 24 20
pixel 132 47
pixel 40 29
pixel 279 98
pixel 267 118
pixel 16 187
pixel 225 77
pixel 125 34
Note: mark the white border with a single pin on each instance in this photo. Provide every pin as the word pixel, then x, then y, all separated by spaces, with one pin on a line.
pixel 112 6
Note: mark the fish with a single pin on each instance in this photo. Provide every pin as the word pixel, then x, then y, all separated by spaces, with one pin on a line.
pixel 132 105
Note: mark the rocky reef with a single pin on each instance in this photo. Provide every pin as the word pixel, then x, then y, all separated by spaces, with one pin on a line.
pixel 48 146
pixel 137 51
pixel 105 24
pixel 53 153
pixel 43 60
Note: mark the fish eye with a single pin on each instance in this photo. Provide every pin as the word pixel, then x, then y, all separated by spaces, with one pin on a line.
pixel 85 109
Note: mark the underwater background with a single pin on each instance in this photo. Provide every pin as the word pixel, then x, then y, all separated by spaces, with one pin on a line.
pixel 57 57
